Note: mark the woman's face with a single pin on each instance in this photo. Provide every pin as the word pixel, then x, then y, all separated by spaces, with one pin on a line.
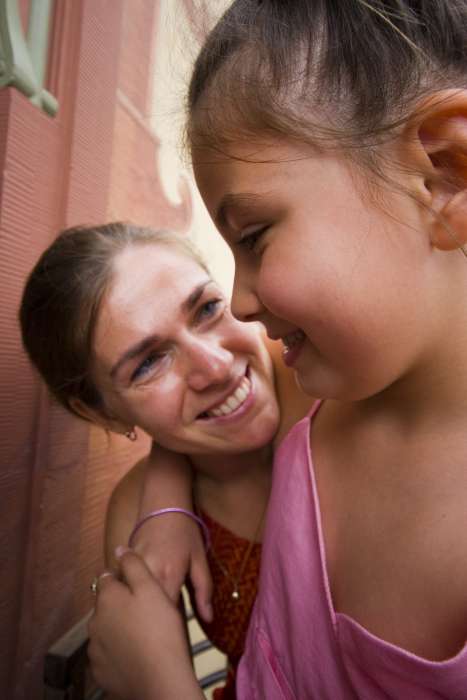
pixel 170 358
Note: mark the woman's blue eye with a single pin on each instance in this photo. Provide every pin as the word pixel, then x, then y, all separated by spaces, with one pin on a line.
pixel 145 366
pixel 209 308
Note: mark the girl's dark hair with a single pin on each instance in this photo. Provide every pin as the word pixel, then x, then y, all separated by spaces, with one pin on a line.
pixel 344 72
pixel 62 297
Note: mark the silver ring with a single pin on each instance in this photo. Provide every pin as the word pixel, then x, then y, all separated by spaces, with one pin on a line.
pixel 95 582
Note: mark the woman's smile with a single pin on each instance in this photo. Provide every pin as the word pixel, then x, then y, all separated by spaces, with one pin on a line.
pixel 230 404
pixel 171 358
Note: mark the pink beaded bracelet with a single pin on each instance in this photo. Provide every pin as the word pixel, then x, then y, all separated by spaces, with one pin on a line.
pixel 163 511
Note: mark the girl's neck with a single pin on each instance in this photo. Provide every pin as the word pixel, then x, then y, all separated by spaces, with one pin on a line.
pixel 433 393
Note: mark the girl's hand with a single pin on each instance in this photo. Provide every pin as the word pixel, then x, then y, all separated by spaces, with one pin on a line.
pixel 173 548
pixel 138 646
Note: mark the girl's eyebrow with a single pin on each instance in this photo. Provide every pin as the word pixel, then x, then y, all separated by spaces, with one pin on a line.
pixel 235 201
pixel 148 341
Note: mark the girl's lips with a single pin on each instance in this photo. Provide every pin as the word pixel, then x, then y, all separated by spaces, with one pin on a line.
pixel 293 344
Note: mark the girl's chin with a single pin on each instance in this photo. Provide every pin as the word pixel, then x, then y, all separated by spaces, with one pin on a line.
pixel 305 383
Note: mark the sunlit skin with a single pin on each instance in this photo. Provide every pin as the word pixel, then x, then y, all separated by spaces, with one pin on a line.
pixel 167 350
pixel 314 252
pixel 376 321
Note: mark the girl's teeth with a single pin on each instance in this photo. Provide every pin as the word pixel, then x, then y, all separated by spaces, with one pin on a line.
pixel 233 401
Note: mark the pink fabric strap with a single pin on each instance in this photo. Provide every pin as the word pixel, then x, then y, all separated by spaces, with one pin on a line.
pixel 163 511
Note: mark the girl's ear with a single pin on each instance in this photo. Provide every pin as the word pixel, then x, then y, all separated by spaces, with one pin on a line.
pixel 440 130
pixel 98 417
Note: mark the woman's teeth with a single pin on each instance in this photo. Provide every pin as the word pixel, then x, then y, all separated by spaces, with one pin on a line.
pixel 292 339
pixel 233 401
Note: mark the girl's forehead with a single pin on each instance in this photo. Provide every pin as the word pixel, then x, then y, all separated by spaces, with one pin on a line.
pixel 247 171
pixel 250 156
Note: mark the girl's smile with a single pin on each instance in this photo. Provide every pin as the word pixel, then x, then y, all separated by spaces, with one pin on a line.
pixel 340 275
pixel 293 343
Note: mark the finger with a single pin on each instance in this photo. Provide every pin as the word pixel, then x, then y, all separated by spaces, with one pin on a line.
pixel 92 624
pixel 169 578
pixel 134 570
pixel 202 584
pixel 96 582
pixel 112 593
pixel 170 585
pixel 100 581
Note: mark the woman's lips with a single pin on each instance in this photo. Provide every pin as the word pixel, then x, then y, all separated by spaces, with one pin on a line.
pixel 235 405
pixel 232 402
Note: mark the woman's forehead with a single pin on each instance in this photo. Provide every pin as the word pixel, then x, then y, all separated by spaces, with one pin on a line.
pixel 159 274
pixel 152 287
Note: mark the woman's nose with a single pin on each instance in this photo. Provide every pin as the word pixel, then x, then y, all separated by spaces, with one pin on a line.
pixel 209 363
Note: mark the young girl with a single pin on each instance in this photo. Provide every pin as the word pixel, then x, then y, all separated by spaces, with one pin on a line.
pixel 329 142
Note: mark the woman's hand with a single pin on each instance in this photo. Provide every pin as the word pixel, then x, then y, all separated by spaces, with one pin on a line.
pixel 138 645
pixel 172 543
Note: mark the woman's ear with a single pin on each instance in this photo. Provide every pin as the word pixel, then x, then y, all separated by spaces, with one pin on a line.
pixel 96 416
pixel 439 131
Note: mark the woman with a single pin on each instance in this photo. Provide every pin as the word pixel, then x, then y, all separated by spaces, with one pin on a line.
pixel 128 328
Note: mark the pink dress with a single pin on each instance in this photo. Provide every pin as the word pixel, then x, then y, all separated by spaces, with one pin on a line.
pixel 298 647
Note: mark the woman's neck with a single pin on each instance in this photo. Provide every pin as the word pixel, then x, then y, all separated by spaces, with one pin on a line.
pixel 229 468
pixel 234 489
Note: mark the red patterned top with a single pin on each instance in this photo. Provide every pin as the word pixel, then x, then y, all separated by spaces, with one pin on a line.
pixel 231 617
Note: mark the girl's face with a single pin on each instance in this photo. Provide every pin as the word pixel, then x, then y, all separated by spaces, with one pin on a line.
pixel 170 357
pixel 346 285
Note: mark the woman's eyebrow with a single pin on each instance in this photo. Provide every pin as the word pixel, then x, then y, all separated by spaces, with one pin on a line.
pixel 148 341
pixel 135 350
pixel 194 296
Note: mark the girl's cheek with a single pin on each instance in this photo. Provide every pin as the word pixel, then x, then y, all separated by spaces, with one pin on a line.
pixel 274 292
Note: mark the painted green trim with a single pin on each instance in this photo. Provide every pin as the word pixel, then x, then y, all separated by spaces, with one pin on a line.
pixel 23 61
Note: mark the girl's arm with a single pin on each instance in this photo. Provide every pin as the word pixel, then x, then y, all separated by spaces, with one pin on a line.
pixel 171 544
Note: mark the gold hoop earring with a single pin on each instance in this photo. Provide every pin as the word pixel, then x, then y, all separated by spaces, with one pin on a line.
pixel 131 435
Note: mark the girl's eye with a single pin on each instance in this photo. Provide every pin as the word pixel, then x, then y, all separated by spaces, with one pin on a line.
pixel 209 309
pixel 146 366
pixel 249 240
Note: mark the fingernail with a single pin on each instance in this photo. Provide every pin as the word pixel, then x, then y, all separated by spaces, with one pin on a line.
pixel 208 612
pixel 120 551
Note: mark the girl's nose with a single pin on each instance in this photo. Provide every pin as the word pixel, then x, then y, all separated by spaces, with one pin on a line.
pixel 245 304
pixel 209 363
